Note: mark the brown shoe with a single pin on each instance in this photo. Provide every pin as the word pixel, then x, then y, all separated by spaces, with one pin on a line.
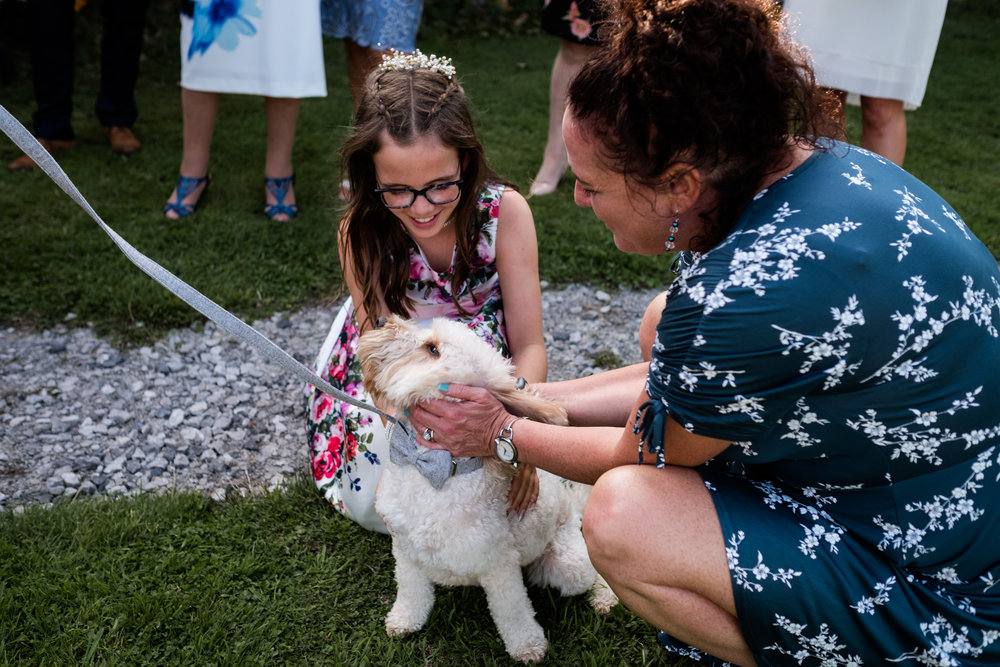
pixel 51 145
pixel 122 140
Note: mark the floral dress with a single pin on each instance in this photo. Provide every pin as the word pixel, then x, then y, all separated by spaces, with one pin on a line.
pixel 845 338
pixel 348 445
pixel 381 25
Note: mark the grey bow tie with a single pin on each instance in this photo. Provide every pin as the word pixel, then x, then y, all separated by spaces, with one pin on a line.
pixel 434 464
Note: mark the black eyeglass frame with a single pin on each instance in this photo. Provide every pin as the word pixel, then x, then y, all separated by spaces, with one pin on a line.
pixel 420 193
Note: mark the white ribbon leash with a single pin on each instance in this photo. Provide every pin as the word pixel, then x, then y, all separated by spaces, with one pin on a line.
pixel 213 311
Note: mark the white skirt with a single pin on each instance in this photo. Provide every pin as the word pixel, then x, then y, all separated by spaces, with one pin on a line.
pixel 876 48
pixel 265 47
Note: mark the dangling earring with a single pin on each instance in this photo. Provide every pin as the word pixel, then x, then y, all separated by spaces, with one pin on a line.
pixel 673 231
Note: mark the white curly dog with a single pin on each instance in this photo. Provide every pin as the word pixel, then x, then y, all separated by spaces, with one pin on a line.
pixel 459 534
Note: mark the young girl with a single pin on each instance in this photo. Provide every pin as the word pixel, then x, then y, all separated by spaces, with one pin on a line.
pixel 430 231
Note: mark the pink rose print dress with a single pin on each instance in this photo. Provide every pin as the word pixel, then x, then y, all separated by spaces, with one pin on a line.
pixel 348 445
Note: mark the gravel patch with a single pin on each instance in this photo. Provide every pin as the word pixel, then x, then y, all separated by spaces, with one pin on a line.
pixel 200 410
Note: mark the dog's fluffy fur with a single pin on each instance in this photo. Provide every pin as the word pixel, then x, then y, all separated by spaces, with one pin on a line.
pixel 461 534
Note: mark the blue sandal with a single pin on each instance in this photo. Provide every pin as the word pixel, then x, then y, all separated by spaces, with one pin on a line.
pixel 185 187
pixel 278 187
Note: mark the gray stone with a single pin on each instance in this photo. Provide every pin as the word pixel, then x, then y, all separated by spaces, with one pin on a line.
pixel 200 410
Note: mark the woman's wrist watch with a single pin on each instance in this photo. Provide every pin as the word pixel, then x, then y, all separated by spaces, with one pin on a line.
pixel 503 444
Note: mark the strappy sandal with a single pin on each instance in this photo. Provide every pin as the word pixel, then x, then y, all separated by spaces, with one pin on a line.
pixel 186 186
pixel 278 188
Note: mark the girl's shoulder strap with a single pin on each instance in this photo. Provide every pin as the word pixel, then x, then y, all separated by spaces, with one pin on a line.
pixel 489 197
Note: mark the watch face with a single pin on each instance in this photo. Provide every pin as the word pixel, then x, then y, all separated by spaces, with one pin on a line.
pixel 505 450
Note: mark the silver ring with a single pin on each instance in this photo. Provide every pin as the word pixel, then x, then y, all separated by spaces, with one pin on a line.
pixel 428 434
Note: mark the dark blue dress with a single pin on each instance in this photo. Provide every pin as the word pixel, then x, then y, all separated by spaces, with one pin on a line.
pixel 845 338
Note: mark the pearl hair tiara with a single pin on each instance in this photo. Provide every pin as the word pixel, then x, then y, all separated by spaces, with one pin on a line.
pixel 397 60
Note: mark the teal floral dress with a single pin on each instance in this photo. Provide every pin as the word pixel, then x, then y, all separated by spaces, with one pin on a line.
pixel 845 338
pixel 348 445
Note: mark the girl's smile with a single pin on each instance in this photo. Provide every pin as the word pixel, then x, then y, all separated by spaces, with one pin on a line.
pixel 424 163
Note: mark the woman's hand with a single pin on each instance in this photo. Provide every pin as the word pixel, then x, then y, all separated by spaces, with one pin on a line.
pixel 465 426
pixel 523 490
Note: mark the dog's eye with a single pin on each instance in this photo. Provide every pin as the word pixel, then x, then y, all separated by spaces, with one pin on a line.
pixel 432 349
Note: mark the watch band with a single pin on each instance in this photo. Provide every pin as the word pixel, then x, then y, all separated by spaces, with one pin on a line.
pixel 506 439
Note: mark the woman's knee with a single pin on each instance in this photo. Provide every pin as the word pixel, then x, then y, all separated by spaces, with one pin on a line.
pixel 610 513
pixel 881 112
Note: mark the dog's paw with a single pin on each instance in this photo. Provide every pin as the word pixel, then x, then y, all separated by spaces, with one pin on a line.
pixel 398 623
pixel 530 652
pixel 602 598
pixel 396 629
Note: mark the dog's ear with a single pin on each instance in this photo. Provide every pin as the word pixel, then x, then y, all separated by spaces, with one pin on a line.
pixel 525 403
pixel 374 350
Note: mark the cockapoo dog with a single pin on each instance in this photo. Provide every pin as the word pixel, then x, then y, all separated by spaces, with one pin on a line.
pixel 460 534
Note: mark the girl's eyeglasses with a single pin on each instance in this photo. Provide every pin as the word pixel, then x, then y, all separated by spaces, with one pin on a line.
pixel 442 193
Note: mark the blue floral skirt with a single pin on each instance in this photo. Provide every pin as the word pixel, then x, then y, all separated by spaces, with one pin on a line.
pixel 380 24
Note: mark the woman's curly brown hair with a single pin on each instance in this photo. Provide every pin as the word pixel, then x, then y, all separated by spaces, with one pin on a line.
pixel 711 83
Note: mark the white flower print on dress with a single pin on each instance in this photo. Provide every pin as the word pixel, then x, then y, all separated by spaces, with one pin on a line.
pixel 867 604
pixel 954 217
pixel 826 646
pixel 948 644
pixel 797 425
pixel 751 406
pixel 755 266
pixel 942 512
pixel 910 213
pixel 830 344
pixel 919 327
pixel 750 577
pixel 920 439
pixel 858 178
pixel 823 531
pixel 689 376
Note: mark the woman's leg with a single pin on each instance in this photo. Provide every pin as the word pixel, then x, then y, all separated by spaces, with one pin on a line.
pixel 360 61
pixel 282 117
pixel 199 110
pixel 569 60
pixel 653 534
pixel 883 127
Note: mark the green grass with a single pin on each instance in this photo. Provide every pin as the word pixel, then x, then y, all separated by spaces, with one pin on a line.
pixel 181 580
pixel 55 260
pixel 281 579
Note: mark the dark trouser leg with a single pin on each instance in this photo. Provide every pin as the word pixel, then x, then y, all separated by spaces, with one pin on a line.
pixel 121 44
pixel 50 23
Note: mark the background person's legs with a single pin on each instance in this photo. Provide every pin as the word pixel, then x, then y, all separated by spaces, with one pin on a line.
pixel 199 111
pixel 282 116
pixel 360 61
pixel 121 46
pixel 883 127
pixel 569 60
